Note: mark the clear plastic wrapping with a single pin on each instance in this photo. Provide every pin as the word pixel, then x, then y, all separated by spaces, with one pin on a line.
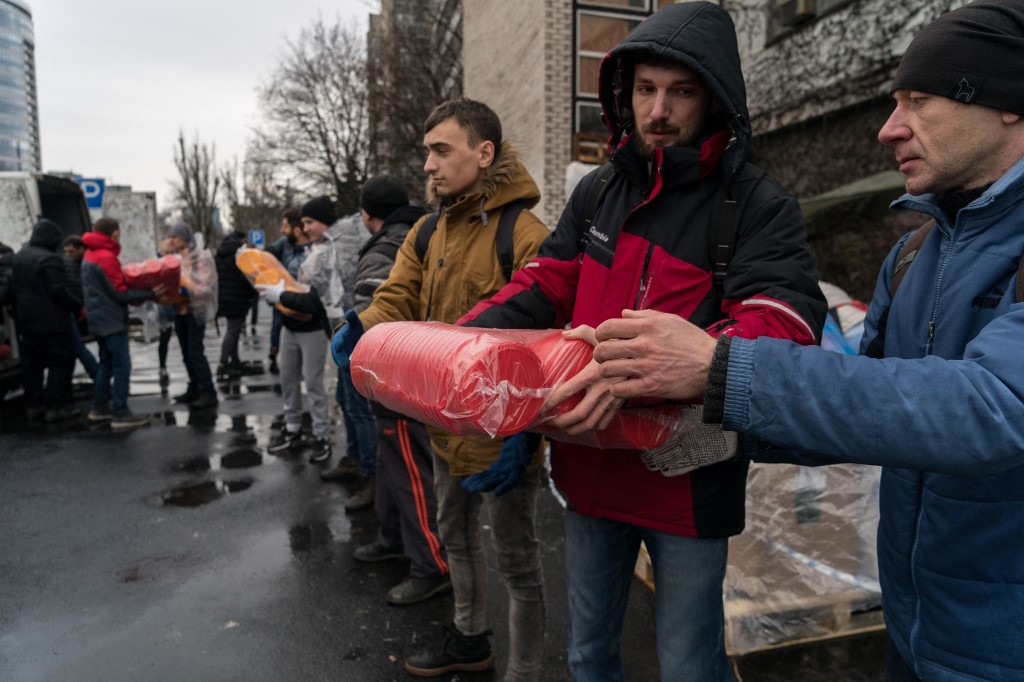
pixel 805 566
pixel 262 267
pixel 490 382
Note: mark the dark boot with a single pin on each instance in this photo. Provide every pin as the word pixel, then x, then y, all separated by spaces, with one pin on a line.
pixel 363 497
pixel 456 652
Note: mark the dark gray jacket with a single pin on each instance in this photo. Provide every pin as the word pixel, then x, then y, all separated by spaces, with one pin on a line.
pixel 106 308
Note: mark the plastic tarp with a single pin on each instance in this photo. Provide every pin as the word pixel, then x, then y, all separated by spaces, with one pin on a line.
pixel 805 567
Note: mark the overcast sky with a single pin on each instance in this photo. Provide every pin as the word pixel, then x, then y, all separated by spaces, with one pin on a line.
pixel 117 79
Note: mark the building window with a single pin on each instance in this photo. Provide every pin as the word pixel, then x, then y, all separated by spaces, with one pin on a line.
pixel 597 33
pixel 787 16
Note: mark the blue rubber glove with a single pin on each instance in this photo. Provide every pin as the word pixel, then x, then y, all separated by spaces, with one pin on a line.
pixel 345 339
pixel 508 470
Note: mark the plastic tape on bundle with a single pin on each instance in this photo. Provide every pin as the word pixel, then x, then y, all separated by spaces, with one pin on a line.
pixel 466 381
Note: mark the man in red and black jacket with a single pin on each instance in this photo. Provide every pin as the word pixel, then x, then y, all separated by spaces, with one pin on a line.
pixel 675 103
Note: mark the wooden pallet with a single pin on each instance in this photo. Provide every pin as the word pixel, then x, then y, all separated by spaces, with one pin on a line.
pixel 802 620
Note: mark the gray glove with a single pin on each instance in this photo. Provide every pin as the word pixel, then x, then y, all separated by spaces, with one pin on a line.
pixel 693 444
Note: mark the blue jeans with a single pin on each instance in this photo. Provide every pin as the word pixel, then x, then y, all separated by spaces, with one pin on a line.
pixel 116 363
pixel 360 428
pixel 190 333
pixel 600 556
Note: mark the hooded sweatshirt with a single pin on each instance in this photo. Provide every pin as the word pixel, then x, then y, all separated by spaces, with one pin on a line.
pixel 39 280
pixel 647 247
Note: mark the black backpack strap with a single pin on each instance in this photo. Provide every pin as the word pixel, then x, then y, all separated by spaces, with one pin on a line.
pixel 908 253
pixel 424 235
pixel 730 202
pixel 504 242
pixel 595 194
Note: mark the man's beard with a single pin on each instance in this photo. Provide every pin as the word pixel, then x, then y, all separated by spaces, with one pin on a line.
pixel 646 148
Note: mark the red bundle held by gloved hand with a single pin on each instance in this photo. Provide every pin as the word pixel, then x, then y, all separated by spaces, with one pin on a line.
pixel 152 271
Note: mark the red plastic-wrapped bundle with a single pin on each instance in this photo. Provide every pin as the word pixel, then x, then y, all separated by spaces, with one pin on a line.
pixel 468 381
pixel 489 381
pixel 639 428
pixel 153 271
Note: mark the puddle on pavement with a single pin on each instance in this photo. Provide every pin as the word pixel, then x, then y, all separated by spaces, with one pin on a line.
pixel 243 458
pixel 200 493
pixel 306 537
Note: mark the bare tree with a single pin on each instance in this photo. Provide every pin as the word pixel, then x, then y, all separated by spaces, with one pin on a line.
pixel 315 113
pixel 414 64
pixel 197 185
pixel 255 196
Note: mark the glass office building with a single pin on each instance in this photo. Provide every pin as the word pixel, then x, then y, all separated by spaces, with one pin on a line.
pixel 19 114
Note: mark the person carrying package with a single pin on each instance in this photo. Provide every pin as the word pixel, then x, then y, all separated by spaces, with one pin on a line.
pixel 304 339
pixel 475 177
pixel 290 250
pixel 192 310
pixel 936 396
pixel 674 99
pixel 107 298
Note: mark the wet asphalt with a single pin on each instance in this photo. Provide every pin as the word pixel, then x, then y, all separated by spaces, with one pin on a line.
pixel 183 551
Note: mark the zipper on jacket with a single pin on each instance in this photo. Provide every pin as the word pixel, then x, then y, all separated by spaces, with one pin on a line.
pixel 916 625
pixel 642 289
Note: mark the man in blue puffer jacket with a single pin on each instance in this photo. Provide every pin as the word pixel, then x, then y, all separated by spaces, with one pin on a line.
pixel 937 395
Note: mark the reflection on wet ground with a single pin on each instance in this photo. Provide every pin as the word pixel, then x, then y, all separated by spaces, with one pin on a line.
pixel 199 493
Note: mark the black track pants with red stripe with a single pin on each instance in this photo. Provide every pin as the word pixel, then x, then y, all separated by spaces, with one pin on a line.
pixel 405 502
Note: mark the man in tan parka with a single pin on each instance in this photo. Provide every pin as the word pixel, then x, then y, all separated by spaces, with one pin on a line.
pixel 474 176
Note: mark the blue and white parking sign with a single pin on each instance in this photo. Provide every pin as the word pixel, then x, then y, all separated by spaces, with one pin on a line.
pixel 257 238
pixel 93 190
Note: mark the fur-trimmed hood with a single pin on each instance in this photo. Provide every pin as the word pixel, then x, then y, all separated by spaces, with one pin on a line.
pixel 504 181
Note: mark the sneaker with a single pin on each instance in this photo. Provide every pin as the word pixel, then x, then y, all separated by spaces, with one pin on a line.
pixel 204 400
pixel 99 414
pixel 321 450
pixel 363 497
pixel 285 440
pixel 186 398
pixel 129 420
pixel 413 590
pixel 347 468
pixel 374 552
pixel 456 652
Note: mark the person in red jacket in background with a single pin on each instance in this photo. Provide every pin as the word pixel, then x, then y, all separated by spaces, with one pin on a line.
pixel 106 308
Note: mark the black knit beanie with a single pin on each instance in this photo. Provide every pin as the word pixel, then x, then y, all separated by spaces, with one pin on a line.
pixel 382 195
pixel 972 54
pixel 320 209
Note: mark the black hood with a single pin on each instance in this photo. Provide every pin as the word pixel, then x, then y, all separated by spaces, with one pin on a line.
pixel 405 214
pixel 701 37
pixel 47 234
